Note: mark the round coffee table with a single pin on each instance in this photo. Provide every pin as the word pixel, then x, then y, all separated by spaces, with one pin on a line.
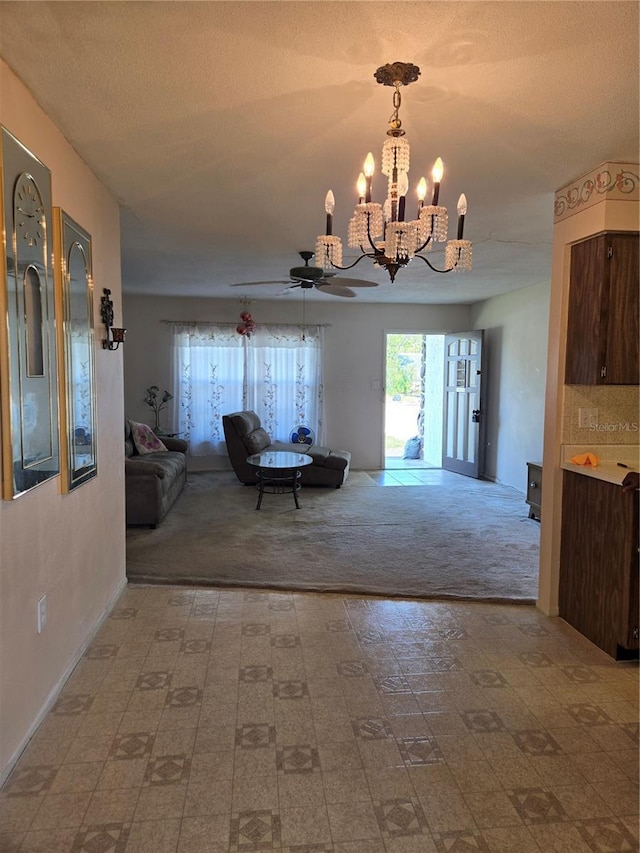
pixel 278 472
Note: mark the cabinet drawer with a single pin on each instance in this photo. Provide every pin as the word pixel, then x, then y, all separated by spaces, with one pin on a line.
pixel 534 489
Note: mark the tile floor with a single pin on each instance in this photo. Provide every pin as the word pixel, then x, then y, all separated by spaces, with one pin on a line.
pixel 231 720
pixel 421 477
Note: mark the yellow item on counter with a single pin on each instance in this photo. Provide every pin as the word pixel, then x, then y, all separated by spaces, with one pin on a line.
pixel 586 459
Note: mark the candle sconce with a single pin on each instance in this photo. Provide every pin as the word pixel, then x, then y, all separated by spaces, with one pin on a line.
pixel 115 336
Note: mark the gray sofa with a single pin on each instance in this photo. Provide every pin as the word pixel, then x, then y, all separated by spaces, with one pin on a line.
pixel 153 481
pixel 245 436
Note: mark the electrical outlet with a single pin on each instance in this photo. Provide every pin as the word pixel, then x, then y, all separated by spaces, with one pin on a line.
pixel 587 418
pixel 42 614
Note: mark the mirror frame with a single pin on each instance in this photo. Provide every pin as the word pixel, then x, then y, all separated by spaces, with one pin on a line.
pixel 76 347
pixel 28 358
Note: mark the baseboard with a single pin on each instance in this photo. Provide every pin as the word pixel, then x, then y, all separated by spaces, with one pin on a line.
pixel 55 690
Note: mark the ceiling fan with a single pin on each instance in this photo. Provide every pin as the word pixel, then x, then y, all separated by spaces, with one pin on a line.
pixel 307 277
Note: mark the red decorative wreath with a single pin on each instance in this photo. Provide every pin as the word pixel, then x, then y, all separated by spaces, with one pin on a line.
pixel 247 326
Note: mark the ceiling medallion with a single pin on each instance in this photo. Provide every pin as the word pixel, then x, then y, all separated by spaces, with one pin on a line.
pixel 382 232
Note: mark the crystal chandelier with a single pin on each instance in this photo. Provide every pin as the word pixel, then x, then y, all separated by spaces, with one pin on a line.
pixel 383 232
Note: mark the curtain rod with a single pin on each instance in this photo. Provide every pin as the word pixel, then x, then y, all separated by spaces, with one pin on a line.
pixel 216 323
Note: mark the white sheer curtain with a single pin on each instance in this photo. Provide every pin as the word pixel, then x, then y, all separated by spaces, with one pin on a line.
pixel 277 373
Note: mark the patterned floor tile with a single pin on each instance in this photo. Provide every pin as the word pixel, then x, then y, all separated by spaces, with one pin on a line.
pixel 400 817
pixel 460 842
pixel 154 680
pixel 255 736
pixel 483 721
pixel 256 629
pixel 138 745
pixel 589 715
pixel 183 697
pixel 32 781
pixel 302 758
pixel 536 742
pixel 167 770
pixel 285 641
pixel 78 704
pixel 535 805
pixel 392 684
pixel 419 750
pixel 488 678
pixel 253 674
pixel 254 830
pixel 105 838
pixel 290 690
pixel 604 835
pixel 416 727
pixel 372 728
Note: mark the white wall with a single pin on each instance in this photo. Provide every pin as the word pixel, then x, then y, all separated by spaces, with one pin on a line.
pixel 354 355
pixel 515 346
pixel 69 547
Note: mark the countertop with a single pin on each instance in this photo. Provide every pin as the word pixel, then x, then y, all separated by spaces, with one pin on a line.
pixel 610 454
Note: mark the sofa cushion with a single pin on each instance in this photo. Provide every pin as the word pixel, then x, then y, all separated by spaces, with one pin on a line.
pixel 337 459
pixel 256 441
pixel 144 466
pixel 145 439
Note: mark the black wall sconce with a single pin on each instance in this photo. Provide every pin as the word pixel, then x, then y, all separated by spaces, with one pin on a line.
pixel 115 336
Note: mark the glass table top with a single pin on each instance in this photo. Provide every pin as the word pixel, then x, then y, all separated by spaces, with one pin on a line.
pixel 279 459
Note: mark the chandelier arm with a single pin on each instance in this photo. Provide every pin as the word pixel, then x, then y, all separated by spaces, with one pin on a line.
pixel 435 269
pixel 357 261
pixel 376 251
pixel 426 242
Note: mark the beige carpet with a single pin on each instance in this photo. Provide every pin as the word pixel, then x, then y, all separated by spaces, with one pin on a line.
pixel 473 541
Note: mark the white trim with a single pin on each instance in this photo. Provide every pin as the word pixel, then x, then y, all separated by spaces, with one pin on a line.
pixel 55 690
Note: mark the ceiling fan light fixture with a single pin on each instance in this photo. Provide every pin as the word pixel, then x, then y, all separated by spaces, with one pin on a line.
pixel 383 232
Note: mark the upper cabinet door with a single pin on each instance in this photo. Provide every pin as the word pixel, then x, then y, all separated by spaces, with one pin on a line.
pixel 622 307
pixel 602 328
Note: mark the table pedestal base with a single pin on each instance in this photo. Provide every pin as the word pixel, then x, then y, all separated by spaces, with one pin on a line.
pixel 278 482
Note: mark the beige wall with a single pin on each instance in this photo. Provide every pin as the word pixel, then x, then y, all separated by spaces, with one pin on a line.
pixel 354 355
pixel 516 347
pixel 607 211
pixel 67 547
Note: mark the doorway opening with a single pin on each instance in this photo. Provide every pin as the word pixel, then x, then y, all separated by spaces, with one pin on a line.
pixel 414 400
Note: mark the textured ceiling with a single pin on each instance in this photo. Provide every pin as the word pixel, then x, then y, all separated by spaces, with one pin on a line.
pixel 219 126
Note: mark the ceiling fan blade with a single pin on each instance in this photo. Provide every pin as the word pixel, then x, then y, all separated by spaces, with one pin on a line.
pixel 335 290
pixel 253 283
pixel 354 282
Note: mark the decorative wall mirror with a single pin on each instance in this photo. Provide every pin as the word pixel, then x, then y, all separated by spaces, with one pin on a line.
pixel 28 370
pixel 74 307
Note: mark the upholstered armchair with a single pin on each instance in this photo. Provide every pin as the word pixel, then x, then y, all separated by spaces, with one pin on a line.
pixel 245 436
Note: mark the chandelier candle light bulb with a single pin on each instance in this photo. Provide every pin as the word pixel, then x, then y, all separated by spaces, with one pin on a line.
pixel 362 187
pixel 437 173
pixel 421 192
pixel 462 212
pixel 369 169
pixel 381 231
pixel 329 206
pixel 403 189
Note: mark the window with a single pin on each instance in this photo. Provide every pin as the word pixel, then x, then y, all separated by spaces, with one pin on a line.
pixel 276 372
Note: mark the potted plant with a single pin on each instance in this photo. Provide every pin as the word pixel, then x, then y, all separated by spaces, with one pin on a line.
pixel 156 402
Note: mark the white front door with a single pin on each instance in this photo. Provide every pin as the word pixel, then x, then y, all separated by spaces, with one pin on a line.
pixel 463 446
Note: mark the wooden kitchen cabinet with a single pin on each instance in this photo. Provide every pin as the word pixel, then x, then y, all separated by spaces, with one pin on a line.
pixel 602 324
pixel 599 563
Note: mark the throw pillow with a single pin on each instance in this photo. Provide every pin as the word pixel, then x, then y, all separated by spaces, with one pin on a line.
pixel 145 439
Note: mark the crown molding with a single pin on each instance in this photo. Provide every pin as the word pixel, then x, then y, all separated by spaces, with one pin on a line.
pixel 609 182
